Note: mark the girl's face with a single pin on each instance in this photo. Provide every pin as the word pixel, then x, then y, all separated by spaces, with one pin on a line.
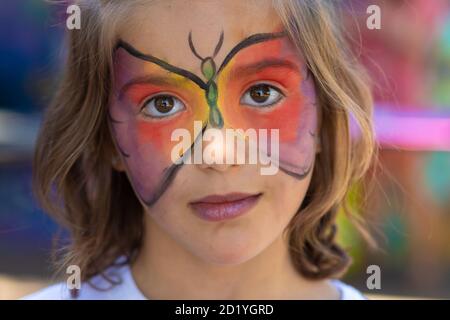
pixel 220 65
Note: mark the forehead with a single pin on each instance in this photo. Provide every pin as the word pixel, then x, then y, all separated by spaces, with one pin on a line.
pixel 161 28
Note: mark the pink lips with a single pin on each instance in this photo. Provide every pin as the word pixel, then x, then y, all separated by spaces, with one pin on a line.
pixel 222 207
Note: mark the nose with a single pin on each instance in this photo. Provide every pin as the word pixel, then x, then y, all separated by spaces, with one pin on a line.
pixel 219 149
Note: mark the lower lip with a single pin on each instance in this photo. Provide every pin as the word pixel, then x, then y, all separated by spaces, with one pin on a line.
pixel 226 210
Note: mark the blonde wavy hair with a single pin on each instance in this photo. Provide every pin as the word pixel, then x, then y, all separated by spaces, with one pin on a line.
pixel 75 182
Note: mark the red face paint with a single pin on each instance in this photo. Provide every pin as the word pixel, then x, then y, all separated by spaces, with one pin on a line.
pixel 277 63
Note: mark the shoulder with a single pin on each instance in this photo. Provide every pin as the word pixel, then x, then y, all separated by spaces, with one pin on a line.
pixel 115 283
pixel 348 292
pixel 56 291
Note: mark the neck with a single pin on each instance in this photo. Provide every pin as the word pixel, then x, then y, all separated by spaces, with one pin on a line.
pixel 166 270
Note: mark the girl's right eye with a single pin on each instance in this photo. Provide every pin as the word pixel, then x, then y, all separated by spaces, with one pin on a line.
pixel 162 106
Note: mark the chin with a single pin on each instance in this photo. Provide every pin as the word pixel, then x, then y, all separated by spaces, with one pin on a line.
pixel 231 252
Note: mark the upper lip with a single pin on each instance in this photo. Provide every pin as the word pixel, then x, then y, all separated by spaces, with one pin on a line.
pixel 229 197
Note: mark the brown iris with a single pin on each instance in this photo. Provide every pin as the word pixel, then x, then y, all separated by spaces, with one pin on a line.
pixel 260 93
pixel 164 104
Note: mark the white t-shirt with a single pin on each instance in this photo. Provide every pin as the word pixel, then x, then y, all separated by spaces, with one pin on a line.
pixel 128 290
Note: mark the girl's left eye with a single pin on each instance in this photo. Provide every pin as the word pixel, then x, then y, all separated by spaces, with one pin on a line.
pixel 261 95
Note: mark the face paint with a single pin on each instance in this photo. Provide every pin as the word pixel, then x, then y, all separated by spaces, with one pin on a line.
pixel 277 66
pixel 153 98
pixel 145 140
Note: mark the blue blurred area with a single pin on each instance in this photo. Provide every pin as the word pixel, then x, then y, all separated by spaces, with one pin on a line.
pixel 25 232
pixel 30 43
pixel 30 39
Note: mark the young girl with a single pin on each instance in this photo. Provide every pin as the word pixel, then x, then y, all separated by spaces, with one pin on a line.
pixel 152 217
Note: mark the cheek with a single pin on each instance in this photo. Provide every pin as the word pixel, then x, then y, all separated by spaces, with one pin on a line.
pixel 147 143
pixel 285 195
pixel 285 117
pixel 167 214
pixel 145 161
pixel 159 134
pixel 145 165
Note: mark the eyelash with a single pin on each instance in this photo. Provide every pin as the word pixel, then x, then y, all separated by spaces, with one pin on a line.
pixel 261 83
pixel 147 100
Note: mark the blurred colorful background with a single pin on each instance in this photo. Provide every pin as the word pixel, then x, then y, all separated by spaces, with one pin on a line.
pixel 405 200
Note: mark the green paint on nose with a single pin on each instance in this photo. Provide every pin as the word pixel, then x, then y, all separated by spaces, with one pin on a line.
pixel 208 68
pixel 211 94
pixel 215 117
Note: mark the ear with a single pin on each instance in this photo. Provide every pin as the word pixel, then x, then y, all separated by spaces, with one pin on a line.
pixel 115 157
pixel 318 143
pixel 318 133
pixel 117 162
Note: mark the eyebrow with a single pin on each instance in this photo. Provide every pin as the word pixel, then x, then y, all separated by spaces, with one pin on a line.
pixel 254 67
pixel 148 79
pixel 253 39
pixel 241 71
pixel 171 68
